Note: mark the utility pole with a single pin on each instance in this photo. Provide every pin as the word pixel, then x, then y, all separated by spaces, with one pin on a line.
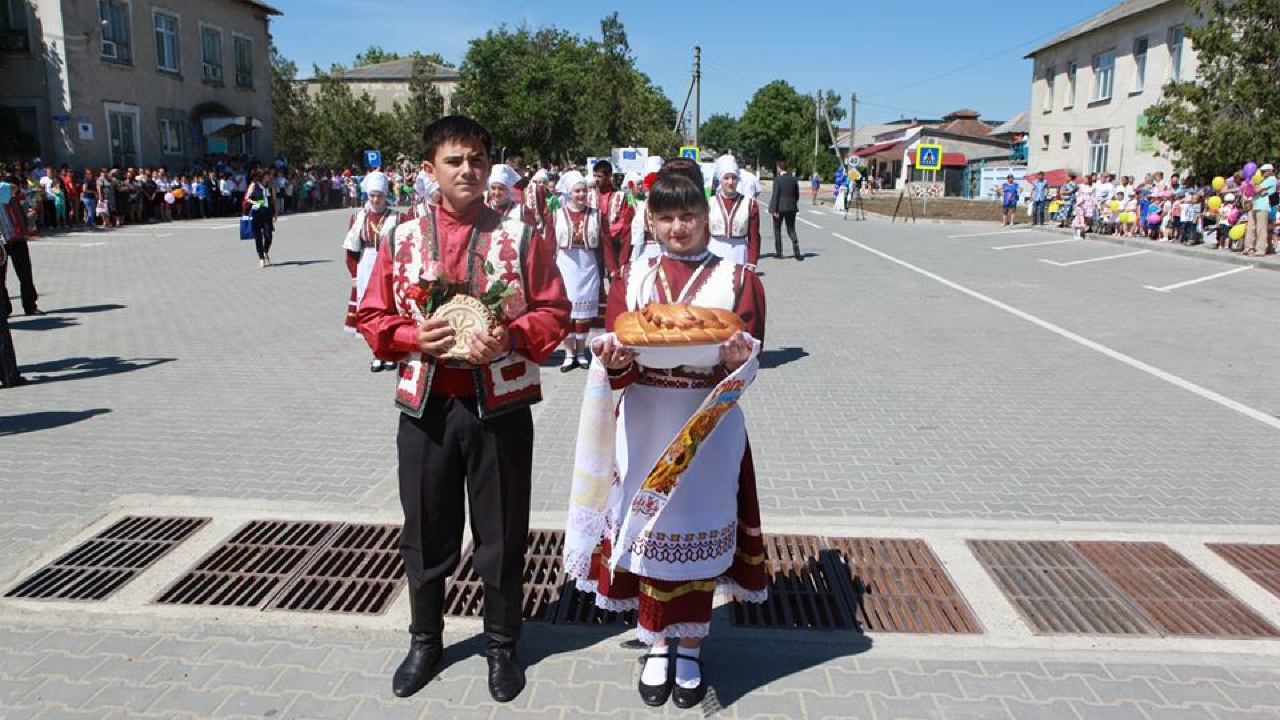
pixel 853 122
pixel 817 123
pixel 697 92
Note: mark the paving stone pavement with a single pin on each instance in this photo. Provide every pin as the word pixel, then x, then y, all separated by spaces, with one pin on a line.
pixel 174 366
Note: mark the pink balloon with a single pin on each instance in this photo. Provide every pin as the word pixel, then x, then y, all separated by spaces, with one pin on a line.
pixel 1153 219
pixel 1233 216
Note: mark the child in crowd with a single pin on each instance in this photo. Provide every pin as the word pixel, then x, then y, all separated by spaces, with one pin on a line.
pixel 1190 219
pixel 1129 211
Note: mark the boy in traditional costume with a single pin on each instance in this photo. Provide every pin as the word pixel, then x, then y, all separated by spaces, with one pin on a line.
pixel 617 213
pixel 370 227
pixel 465 432
pixel 578 232
pixel 735 218
pixel 664 505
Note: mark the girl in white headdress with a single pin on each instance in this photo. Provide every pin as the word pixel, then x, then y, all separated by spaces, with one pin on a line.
pixel 370 226
pixel 502 179
pixel 648 247
pixel 575 227
pixel 735 218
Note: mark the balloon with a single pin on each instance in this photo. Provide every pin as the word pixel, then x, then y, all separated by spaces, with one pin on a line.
pixel 6 193
pixel 1257 178
pixel 1237 232
pixel 1233 216
pixel 1218 182
pixel 178 193
pixel 1115 205
pixel 1153 219
pixel 1250 168
pixel 1053 206
pixel 1214 202
pixel 168 198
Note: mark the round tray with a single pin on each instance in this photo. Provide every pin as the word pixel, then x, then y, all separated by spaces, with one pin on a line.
pixel 670 356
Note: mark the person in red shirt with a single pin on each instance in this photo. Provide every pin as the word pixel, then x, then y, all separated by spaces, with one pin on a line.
pixel 466 431
pixel 617 213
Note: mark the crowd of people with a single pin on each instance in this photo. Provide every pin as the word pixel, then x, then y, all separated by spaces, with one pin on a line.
pixel 1235 213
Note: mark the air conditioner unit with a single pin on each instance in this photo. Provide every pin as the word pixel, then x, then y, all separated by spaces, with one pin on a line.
pixel 212 72
pixel 109 50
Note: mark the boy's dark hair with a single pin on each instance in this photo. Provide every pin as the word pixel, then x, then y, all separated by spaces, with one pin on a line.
pixel 454 128
pixel 782 164
pixel 604 165
pixel 678 187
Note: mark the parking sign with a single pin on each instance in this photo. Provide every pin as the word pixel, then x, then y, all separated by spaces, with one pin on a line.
pixel 373 158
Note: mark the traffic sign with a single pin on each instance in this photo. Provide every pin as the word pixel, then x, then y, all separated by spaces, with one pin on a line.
pixel 928 157
pixel 691 152
pixel 373 158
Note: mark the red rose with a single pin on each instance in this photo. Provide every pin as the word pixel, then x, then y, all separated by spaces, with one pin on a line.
pixel 417 294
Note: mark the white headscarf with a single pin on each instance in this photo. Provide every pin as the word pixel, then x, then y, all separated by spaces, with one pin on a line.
pixel 375 181
pixel 540 175
pixel 652 164
pixel 726 165
pixel 632 179
pixel 568 182
pixel 424 186
pixel 504 175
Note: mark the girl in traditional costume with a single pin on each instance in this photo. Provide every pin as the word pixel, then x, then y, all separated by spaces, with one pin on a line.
pixel 735 218
pixel 500 196
pixel 370 226
pixel 664 507
pixel 577 230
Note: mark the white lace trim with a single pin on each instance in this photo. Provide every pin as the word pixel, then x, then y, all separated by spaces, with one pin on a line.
pixel 740 593
pixel 677 630
pixel 577 565
pixel 612 605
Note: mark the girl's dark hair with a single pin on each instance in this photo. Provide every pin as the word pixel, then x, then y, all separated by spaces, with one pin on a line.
pixel 678 187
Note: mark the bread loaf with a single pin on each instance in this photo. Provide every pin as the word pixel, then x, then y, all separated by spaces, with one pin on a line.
pixel 657 324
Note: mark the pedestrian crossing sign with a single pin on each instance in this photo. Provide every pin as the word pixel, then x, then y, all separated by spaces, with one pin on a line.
pixel 691 152
pixel 928 157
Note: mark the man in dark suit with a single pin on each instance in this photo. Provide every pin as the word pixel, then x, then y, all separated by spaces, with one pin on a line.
pixel 784 202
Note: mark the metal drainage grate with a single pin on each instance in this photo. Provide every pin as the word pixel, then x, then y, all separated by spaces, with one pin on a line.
pixel 245 570
pixel 900 586
pixel 807 588
pixel 360 572
pixel 1057 591
pixel 1178 597
pixel 1260 562
pixel 542 580
pixel 99 566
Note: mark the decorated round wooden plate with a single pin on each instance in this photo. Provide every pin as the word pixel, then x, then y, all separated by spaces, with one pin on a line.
pixel 466 315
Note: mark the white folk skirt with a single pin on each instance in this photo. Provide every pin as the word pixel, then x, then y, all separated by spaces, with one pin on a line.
pixel 733 249
pixel 581 274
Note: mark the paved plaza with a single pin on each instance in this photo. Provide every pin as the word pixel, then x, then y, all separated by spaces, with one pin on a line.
pixel 945 382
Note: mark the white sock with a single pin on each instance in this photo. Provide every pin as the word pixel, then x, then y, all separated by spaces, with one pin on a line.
pixel 688 673
pixel 568 358
pixel 655 667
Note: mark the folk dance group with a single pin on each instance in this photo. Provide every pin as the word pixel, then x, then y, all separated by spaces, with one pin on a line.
pixel 663 508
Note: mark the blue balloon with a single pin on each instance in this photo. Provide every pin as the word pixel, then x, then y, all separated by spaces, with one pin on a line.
pixel 6 193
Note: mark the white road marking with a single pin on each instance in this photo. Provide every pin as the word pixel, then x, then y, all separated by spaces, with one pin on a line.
pixel 164 235
pixel 1185 283
pixel 984 234
pixel 58 243
pixel 1035 244
pixel 816 212
pixel 1093 260
pixel 1133 362
pixel 810 224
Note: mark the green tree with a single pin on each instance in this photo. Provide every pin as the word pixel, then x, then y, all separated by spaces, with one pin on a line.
pixel 776 124
pixel 290 108
pixel 375 55
pixel 720 132
pixel 343 126
pixel 1230 112
pixel 432 57
pixel 424 106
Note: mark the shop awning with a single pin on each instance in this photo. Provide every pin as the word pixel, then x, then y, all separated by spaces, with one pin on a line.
pixel 227 125
pixel 949 159
pixel 876 149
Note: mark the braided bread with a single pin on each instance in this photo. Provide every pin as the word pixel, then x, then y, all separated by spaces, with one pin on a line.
pixel 657 324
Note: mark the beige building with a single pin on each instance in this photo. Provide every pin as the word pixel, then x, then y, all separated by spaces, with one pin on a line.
pixel 388 83
pixel 136 82
pixel 1092 85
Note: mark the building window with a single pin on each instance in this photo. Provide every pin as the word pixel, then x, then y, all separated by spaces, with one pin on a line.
pixel 1175 53
pixel 244 60
pixel 122 134
pixel 1099 143
pixel 170 135
pixel 166 27
pixel 1104 75
pixel 1044 143
pixel 1049 76
pixel 1066 139
pixel 211 53
pixel 116 45
pixel 1140 64
pixel 13 26
pixel 1072 67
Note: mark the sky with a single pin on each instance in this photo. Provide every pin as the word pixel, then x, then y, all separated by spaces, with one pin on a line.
pixel 935 57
